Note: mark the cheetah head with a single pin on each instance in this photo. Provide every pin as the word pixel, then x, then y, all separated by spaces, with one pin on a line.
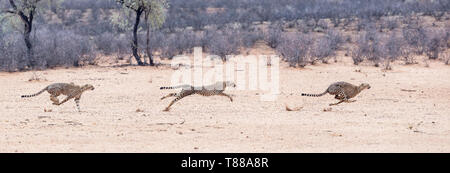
pixel 364 86
pixel 230 84
pixel 88 87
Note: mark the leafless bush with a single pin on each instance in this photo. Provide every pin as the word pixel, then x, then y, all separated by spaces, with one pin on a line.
pixel 273 35
pixel 368 47
pixel 249 38
pixel 104 43
pixel 322 24
pixel 436 42
pixel 389 23
pixel 295 49
pixel 168 48
pixel 62 48
pixel 52 49
pixel 416 38
pixel 335 38
pixel 323 50
pixel 224 43
pixel 394 49
pixel 13 53
pixel 446 58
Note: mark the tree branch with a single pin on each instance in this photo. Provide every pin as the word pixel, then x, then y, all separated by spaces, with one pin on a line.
pixel 19 12
pixel 126 5
pixel 8 11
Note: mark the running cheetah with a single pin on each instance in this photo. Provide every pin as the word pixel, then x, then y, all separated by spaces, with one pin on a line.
pixel 69 89
pixel 343 91
pixel 209 90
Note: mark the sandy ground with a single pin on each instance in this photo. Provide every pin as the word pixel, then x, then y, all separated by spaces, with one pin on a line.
pixel 406 110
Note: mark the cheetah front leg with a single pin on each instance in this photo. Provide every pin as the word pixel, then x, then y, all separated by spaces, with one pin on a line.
pixel 171 103
pixel 77 102
pixel 226 95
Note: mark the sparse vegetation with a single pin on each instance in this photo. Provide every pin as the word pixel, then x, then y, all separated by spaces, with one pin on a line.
pixel 78 31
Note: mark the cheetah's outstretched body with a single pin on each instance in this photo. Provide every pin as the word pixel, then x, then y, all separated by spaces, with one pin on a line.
pixel 215 89
pixel 69 89
pixel 343 91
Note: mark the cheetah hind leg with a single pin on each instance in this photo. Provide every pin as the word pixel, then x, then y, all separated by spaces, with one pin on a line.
pixel 226 95
pixel 333 104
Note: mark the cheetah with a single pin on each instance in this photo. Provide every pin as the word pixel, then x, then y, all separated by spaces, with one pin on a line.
pixel 69 89
pixel 343 91
pixel 209 90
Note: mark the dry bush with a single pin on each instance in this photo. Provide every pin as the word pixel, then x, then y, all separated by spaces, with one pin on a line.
pixel 295 49
pixel 249 38
pixel 224 43
pixel 322 50
pixel 13 53
pixel 446 58
pixel 62 48
pixel 273 35
pixel 369 46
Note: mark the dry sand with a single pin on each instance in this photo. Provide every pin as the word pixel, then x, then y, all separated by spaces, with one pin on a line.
pixel 406 110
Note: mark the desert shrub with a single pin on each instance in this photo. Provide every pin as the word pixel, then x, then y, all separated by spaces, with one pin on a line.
pixel 224 43
pixel 168 47
pixel 368 47
pixel 186 40
pixel 335 38
pixel 325 47
pixel 157 39
pixel 323 50
pixel 273 35
pixel 249 38
pixel 435 43
pixel 62 48
pixel 13 53
pixel 416 38
pixel 389 23
pixel 322 24
pixel 295 49
pixel 394 49
pixel 104 43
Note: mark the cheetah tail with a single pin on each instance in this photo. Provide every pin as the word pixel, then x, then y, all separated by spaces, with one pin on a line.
pixel 32 95
pixel 172 87
pixel 314 95
pixel 164 88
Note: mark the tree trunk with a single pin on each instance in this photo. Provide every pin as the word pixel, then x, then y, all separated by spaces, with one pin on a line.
pixel 27 39
pixel 149 53
pixel 134 46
